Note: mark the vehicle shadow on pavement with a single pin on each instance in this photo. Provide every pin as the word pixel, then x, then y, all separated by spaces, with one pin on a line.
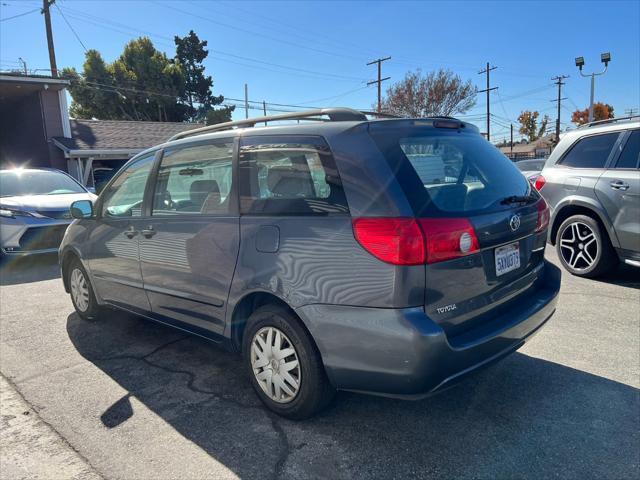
pixel 524 417
pixel 15 270
pixel 624 276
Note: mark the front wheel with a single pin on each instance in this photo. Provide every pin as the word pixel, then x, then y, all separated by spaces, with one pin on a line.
pixel 283 364
pixel 584 247
pixel 82 296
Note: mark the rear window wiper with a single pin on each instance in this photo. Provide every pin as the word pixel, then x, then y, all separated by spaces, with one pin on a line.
pixel 517 199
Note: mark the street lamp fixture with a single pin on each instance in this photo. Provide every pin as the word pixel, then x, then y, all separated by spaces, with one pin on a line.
pixel 604 58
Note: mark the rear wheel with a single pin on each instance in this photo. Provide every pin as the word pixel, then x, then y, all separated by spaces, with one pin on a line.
pixel 82 296
pixel 584 247
pixel 284 366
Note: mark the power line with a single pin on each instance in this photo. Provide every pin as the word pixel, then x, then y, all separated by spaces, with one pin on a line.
pixel 70 27
pixel 250 32
pixel 121 28
pixel 19 15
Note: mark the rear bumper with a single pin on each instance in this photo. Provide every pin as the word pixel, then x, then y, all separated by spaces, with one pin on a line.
pixel 402 352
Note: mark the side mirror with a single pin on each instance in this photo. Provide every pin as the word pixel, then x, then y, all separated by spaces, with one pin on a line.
pixel 82 209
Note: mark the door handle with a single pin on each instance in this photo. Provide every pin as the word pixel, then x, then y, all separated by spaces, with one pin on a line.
pixel 130 232
pixel 148 232
pixel 619 185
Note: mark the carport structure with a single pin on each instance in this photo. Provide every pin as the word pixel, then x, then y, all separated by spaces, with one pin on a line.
pixel 33 109
pixel 98 148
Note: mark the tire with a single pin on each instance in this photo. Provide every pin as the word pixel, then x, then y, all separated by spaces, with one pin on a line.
pixel 84 301
pixel 314 392
pixel 584 247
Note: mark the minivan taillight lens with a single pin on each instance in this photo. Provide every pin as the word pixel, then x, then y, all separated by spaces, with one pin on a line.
pixel 407 241
pixel 448 238
pixel 539 182
pixel 543 215
pixel 393 240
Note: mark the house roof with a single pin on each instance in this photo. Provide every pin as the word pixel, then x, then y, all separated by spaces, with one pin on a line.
pixel 119 135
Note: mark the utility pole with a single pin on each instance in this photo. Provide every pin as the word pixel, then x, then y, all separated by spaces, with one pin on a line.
pixel 560 83
pixel 24 65
pixel 246 101
pixel 264 110
pixel 488 90
pixel 47 23
pixel 631 112
pixel 511 142
pixel 380 79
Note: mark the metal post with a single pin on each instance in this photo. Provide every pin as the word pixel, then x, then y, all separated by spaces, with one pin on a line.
pixel 593 87
pixel 512 141
pixel 604 58
pixel 246 101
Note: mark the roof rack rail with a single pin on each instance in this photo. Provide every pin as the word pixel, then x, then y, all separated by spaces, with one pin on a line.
pixel 334 114
pixel 608 120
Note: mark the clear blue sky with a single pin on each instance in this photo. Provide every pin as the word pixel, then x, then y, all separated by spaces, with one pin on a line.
pixel 326 46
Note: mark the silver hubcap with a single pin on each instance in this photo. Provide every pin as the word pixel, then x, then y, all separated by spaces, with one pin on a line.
pixel 275 364
pixel 79 290
pixel 578 246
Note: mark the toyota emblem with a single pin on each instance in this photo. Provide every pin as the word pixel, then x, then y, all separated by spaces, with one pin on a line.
pixel 514 222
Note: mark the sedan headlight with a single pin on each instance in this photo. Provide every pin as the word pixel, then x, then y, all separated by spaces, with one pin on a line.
pixel 12 213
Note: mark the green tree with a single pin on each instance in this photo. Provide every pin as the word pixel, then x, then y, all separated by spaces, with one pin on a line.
pixel 529 125
pixel 144 84
pixel 190 53
pixel 93 94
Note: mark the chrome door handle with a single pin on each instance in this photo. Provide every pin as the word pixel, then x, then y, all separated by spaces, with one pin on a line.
pixel 148 232
pixel 130 233
pixel 619 185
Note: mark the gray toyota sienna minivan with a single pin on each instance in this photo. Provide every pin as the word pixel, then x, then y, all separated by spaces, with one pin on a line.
pixel 389 256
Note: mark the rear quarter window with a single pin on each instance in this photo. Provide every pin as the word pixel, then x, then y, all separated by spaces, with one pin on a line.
pixel 590 152
pixel 289 175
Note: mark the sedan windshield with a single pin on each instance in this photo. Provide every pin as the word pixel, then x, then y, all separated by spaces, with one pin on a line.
pixel 36 182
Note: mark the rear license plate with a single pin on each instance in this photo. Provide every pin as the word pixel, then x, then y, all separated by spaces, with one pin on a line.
pixel 507 258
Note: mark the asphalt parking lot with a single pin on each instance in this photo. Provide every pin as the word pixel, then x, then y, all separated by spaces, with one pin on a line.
pixel 134 399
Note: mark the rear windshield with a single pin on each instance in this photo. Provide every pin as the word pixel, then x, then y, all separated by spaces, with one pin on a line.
pixel 450 172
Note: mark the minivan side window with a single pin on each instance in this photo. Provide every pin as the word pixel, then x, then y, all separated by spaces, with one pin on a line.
pixel 590 152
pixel 294 175
pixel 630 156
pixel 125 195
pixel 194 180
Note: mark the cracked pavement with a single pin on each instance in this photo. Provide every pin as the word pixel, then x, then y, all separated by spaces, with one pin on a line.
pixel 135 399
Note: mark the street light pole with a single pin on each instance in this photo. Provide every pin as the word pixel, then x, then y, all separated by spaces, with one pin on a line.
pixel 604 58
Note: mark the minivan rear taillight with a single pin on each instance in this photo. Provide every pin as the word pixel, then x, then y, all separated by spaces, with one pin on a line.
pixel 393 240
pixel 448 238
pixel 407 241
pixel 543 215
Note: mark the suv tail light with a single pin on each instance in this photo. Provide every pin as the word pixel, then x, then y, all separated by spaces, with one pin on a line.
pixel 539 182
pixel 410 241
pixel 543 215
pixel 448 238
